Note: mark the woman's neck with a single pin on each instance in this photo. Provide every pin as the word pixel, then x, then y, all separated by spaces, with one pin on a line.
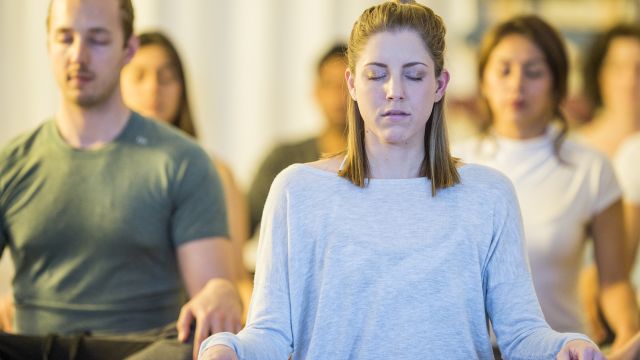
pixel 391 161
pixel 609 129
pixel 509 129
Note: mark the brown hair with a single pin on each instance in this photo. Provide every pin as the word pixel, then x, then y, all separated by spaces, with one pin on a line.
pixel 596 55
pixel 127 16
pixel 337 51
pixel 547 39
pixel 183 119
pixel 395 15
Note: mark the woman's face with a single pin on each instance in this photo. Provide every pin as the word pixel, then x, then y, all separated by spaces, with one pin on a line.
pixel 151 84
pixel 517 84
pixel 619 76
pixel 395 86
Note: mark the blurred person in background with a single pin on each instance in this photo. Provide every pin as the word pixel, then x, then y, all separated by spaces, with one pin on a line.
pixel 154 84
pixel 612 86
pixel 567 191
pixel 330 93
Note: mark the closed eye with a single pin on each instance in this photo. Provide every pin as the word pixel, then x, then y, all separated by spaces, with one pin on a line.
pixel 374 75
pixel 414 77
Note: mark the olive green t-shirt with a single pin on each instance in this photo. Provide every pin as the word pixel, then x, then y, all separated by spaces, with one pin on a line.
pixel 93 233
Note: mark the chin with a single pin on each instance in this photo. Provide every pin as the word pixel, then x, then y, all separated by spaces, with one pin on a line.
pixel 396 140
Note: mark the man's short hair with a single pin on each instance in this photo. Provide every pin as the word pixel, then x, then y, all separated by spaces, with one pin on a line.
pixel 126 18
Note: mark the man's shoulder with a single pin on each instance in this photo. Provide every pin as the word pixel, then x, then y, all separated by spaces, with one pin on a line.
pixel 21 146
pixel 164 137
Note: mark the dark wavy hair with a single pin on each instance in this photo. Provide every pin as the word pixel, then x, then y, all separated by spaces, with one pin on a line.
pixel 549 41
pixel 183 119
pixel 596 55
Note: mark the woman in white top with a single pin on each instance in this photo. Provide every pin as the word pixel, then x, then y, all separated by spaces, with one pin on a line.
pixel 626 162
pixel 401 252
pixel 612 85
pixel 566 191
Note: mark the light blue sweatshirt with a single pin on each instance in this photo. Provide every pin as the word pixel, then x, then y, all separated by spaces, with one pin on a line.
pixel 390 272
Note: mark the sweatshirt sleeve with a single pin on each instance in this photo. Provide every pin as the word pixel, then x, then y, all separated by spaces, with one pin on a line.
pixel 268 333
pixel 511 302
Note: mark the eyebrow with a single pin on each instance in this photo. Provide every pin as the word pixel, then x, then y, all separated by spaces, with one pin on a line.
pixel 95 30
pixel 413 63
pixel 528 62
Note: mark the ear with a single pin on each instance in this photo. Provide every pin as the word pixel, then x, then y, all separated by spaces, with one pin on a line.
pixel 130 48
pixel 442 81
pixel 351 83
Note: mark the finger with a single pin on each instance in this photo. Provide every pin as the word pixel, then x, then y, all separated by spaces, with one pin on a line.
pixel 184 323
pixel 217 323
pixel 237 326
pixel 586 354
pixel 12 311
pixel 563 354
pixel 6 320
pixel 229 324
pixel 3 322
pixel 201 333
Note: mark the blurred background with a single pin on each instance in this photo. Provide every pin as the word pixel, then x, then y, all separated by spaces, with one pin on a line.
pixel 250 64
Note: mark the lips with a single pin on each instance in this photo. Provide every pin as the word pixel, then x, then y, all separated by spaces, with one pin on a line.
pixel 395 113
pixel 81 76
pixel 518 103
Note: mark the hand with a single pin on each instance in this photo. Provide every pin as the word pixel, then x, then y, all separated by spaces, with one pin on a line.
pixel 216 308
pixel 6 313
pixel 621 339
pixel 630 350
pixel 218 352
pixel 579 350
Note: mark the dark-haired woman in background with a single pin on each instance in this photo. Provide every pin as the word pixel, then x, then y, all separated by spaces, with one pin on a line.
pixel 612 85
pixel 154 84
pixel 567 191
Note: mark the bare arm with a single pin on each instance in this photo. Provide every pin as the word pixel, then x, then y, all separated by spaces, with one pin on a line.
pixel 205 265
pixel 238 217
pixel 631 351
pixel 632 224
pixel 617 298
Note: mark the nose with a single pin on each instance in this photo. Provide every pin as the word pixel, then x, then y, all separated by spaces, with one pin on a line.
pixel 79 51
pixel 516 79
pixel 152 84
pixel 395 88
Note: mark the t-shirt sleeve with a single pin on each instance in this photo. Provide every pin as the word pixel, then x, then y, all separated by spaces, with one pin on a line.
pixel 511 302
pixel 268 333
pixel 198 200
pixel 268 170
pixel 605 188
pixel 626 163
